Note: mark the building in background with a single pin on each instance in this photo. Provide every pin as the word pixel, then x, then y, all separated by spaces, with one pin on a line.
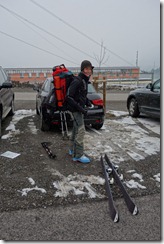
pixel 38 75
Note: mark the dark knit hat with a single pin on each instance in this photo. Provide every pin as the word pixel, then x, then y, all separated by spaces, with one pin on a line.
pixel 86 64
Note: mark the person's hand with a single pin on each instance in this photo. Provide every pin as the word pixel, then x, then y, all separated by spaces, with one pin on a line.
pixel 88 104
pixel 84 112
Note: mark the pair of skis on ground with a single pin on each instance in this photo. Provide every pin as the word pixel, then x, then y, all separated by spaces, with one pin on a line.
pixel 109 170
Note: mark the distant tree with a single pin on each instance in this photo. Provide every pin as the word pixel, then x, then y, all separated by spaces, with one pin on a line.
pixel 101 58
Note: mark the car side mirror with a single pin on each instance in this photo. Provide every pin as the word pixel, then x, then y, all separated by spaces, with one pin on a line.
pixel 6 85
pixel 149 86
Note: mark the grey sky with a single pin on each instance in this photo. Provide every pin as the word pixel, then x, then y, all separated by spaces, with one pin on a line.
pixel 124 27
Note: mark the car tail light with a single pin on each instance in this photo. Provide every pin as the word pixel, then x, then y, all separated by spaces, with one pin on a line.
pixel 56 122
pixel 98 121
pixel 98 102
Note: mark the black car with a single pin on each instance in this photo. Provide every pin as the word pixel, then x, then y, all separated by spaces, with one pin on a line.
pixel 6 97
pixel 49 114
pixel 145 100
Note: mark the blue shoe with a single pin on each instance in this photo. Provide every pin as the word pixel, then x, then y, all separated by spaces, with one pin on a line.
pixel 70 152
pixel 83 159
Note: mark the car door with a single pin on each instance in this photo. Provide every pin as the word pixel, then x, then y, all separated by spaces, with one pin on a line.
pixel 154 98
pixel 44 91
pixel 152 101
pixel 5 96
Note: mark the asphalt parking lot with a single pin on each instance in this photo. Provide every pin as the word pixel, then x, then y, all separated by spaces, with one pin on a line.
pixel 36 186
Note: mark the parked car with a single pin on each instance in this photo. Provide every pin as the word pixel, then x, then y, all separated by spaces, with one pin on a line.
pixel 49 114
pixel 145 100
pixel 6 97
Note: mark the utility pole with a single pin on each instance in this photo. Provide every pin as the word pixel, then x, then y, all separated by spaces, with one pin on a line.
pixel 137 66
pixel 154 65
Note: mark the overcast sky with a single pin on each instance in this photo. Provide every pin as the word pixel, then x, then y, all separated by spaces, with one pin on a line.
pixel 69 31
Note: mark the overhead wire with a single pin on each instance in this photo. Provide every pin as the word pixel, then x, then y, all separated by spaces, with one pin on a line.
pixel 43 37
pixel 51 43
pixel 42 29
pixel 18 39
pixel 77 30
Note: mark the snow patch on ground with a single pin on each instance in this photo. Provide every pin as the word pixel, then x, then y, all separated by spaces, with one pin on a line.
pixel 18 115
pixel 78 185
pixel 25 191
pixel 31 181
pixel 122 139
pixel 32 127
pixel 149 145
pixel 157 177
pixel 116 113
pixel 151 125
pixel 126 120
pixel 134 184
pixel 135 156
pixel 139 176
pixel 75 184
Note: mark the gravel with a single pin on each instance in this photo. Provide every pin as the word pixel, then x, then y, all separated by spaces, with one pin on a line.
pixel 34 163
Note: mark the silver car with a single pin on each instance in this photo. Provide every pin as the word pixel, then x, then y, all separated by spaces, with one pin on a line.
pixel 6 97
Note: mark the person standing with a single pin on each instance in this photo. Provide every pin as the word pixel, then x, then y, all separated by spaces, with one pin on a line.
pixel 77 101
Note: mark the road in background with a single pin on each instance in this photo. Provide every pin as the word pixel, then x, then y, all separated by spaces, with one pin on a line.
pixel 115 101
pixel 109 96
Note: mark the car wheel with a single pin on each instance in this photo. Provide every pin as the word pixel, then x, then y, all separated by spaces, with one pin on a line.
pixel 0 124
pixel 37 110
pixel 11 113
pixel 133 108
pixel 44 125
pixel 97 126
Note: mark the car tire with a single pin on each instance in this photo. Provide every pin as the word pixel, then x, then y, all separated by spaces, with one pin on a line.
pixel 37 110
pixel 133 108
pixel 44 125
pixel 12 111
pixel 97 126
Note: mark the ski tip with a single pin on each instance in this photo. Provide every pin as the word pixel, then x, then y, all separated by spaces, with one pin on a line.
pixel 105 156
pixel 53 156
pixel 135 211
pixel 101 159
pixel 116 218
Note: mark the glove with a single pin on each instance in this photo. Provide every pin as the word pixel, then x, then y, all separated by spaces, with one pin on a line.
pixel 75 105
pixel 82 110
pixel 85 112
